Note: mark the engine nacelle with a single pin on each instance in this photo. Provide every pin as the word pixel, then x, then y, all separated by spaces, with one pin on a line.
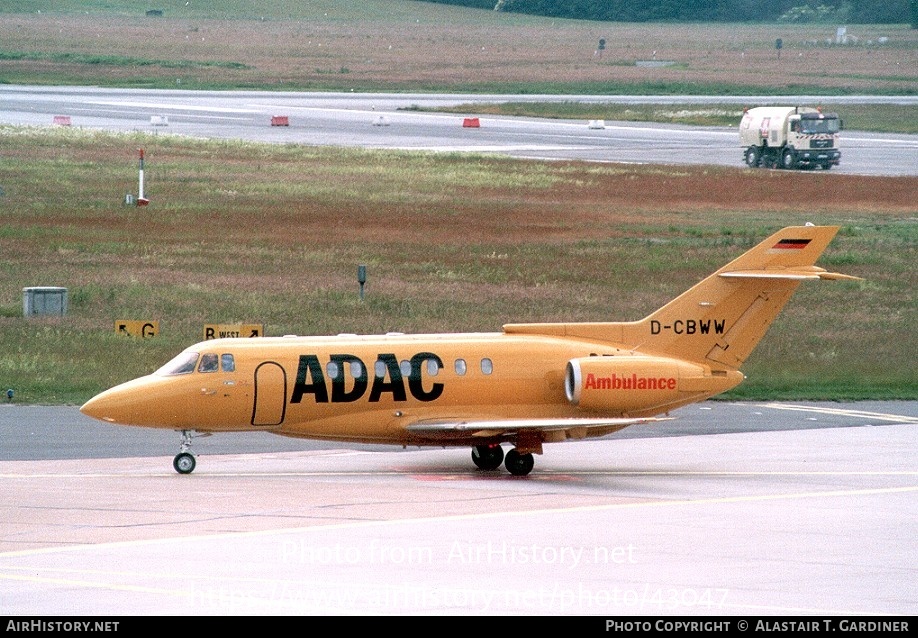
pixel 624 384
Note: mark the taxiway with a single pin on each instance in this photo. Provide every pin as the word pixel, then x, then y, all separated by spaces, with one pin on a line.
pixel 731 509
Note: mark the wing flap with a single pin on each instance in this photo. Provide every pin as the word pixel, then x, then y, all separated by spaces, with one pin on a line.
pixel 494 427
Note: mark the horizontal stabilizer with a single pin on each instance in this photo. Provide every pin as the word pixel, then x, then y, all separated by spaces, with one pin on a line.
pixel 800 274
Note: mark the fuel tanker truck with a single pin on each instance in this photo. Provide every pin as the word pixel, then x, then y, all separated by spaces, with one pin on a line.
pixel 790 137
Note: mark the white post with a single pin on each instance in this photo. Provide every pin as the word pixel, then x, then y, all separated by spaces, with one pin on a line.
pixel 141 200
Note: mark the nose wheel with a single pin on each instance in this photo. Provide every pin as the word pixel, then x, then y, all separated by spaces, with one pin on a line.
pixel 184 462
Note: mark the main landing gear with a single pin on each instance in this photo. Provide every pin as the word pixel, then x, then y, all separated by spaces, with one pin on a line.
pixel 184 461
pixel 489 457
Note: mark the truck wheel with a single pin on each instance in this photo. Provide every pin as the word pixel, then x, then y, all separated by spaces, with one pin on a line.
pixel 752 156
pixel 788 160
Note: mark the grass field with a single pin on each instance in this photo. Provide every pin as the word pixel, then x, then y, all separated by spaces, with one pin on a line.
pixel 241 232
pixel 400 45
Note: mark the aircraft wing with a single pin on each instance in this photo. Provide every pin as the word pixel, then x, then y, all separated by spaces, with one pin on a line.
pixel 485 428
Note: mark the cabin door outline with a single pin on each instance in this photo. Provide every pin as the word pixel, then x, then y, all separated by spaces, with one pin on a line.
pixel 269 405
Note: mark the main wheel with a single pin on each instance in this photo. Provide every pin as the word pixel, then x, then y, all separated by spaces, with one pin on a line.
pixel 753 155
pixel 184 463
pixel 488 457
pixel 518 464
pixel 788 159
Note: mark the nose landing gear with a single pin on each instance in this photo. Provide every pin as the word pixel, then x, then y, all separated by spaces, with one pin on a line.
pixel 184 462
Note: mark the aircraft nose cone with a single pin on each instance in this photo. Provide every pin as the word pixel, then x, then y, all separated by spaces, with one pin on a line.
pixel 99 407
pixel 150 401
pixel 124 404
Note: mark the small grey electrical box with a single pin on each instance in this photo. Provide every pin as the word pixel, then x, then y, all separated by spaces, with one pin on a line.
pixel 44 300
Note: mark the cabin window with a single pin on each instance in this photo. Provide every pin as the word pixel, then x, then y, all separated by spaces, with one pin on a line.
pixel 182 364
pixel 331 369
pixel 433 368
pixel 356 369
pixel 209 363
pixel 227 363
pixel 487 367
pixel 405 368
pixel 380 369
pixel 460 367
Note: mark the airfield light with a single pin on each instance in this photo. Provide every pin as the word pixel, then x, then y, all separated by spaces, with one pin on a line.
pixel 361 278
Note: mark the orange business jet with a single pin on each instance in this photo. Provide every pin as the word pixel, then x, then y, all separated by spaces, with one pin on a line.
pixel 527 385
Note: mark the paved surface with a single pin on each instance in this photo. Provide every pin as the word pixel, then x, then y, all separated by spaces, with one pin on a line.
pixel 390 121
pixel 813 511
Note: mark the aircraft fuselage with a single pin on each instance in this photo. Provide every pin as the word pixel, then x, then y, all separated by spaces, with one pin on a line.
pixel 368 388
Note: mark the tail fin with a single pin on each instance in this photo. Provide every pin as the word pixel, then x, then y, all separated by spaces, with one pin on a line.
pixel 721 320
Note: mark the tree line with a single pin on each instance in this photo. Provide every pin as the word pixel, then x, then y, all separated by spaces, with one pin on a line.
pixel 794 11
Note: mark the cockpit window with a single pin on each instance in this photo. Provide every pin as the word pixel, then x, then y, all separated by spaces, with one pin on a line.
pixel 209 363
pixel 827 125
pixel 227 363
pixel 182 364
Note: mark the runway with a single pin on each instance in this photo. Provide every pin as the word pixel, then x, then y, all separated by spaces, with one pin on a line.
pixel 731 509
pixel 394 121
